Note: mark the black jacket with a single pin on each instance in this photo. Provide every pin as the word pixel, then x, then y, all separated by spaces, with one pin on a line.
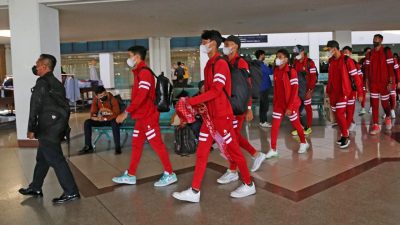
pixel 49 110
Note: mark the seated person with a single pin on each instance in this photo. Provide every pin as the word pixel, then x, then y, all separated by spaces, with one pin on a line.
pixel 104 110
pixel 199 121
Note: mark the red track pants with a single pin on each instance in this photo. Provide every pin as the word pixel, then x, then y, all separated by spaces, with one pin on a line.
pixel 339 106
pixel 376 94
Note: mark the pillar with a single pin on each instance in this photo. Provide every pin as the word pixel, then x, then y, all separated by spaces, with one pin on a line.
pixel 8 59
pixel 343 37
pixel 34 30
pixel 313 48
pixel 203 63
pixel 107 69
pixel 160 55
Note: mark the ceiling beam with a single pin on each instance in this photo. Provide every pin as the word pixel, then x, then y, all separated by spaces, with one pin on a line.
pixel 76 2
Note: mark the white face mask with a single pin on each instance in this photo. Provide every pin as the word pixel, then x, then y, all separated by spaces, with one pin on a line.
pixel 330 54
pixel 278 62
pixel 205 48
pixel 131 62
pixel 227 50
pixel 298 57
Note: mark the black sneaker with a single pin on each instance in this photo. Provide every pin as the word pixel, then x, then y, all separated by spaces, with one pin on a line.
pixel 339 142
pixel 118 151
pixel 86 149
pixel 31 192
pixel 345 143
pixel 66 198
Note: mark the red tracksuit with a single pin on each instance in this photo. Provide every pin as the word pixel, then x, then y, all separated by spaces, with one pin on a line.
pixel 395 80
pixel 221 114
pixel 379 69
pixel 285 97
pixel 143 109
pixel 339 88
pixel 239 120
pixel 362 66
pixel 351 102
pixel 307 66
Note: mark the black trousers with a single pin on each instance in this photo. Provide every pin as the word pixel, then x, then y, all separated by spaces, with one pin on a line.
pixel 264 105
pixel 113 124
pixel 49 154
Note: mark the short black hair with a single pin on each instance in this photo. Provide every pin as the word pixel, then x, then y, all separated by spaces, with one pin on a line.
pixel 51 61
pixel 99 89
pixel 284 52
pixel 366 49
pixel 333 44
pixel 348 48
pixel 212 35
pixel 179 63
pixel 379 36
pixel 258 53
pixel 234 39
pixel 140 50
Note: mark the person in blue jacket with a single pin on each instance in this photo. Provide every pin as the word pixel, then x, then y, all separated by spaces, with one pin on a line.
pixel 264 89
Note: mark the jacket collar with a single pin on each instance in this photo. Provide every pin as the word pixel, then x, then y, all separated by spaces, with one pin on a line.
pixel 139 67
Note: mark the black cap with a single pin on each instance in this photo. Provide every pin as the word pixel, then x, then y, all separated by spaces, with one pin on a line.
pixel 332 44
pixel 298 49
pixel 234 39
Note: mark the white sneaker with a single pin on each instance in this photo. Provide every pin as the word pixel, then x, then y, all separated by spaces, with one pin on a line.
pixel 272 153
pixel 266 125
pixel 258 161
pixel 244 190
pixel 303 148
pixel 393 114
pixel 370 110
pixel 228 177
pixel 188 195
pixel 362 112
pixel 352 127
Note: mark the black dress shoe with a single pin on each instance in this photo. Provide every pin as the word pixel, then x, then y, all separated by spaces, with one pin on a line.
pixel 86 149
pixel 30 191
pixel 118 151
pixel 66 198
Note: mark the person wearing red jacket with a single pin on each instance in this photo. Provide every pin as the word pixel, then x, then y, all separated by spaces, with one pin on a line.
pixel 339 88
pixel 230 50
pixel 144 111
pixel 362 65
pixel 217 80
pixel 307 75
pixel 357 84
pixel 286 102
pixel 393 92
pixel 380 72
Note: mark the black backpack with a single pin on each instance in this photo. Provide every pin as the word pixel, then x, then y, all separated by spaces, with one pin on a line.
pixel 240 88
pixel 185 141
pixel 163 91
pixel 256 78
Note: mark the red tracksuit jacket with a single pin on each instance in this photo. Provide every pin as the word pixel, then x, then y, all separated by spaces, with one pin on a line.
pixel 143 93
pixel 242 64
pixel 217 102
pixel 311 73
pixel 339 83
pixel 379 67
pixel 286 89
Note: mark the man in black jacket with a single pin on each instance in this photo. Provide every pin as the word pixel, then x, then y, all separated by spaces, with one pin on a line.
pixel 48 122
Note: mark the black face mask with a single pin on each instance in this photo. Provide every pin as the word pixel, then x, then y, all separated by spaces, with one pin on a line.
pixel 104 98
pixel 34 70
pixel 376 44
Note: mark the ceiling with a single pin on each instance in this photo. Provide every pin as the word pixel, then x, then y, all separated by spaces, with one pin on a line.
pixel 145 18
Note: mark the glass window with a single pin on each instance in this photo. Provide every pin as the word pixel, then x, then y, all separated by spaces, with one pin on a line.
pixel 191 58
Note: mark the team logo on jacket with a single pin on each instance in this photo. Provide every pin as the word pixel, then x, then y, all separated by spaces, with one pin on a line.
pixel 148 127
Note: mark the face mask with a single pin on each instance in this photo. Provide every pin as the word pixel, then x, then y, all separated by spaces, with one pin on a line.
pixel 376 44
pixel 298 57
pixel 131 62
pixel 104 98
pixel 330 54
pixel 227 50
pixel 205 48
pixel 34 70
pixel 278 62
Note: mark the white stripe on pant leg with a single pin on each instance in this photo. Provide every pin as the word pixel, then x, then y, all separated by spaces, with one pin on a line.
pixel 202 139
pixel 203 135
pixel 149 132
pixel 135 131
pixel 276 117
pixel 393 93
pixel 151 136
pixel 228 141
pixel 293 119
pixel 341 103
pixel 135 135
pixel 228 135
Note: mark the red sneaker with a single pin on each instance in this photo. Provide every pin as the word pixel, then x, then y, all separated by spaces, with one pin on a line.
pixel 388 123
pixel 374 129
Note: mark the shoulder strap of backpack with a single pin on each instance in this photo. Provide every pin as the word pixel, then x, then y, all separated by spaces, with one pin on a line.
pixel 151 71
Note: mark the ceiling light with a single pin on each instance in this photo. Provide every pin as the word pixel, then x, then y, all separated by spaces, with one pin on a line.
pixel 83 2
pixel 5 33
pixel 392 31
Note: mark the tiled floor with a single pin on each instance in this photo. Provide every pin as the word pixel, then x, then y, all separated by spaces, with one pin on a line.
pixel 325 186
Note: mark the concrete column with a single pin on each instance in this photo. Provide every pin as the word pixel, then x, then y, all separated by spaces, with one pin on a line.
pixel 160 55
pixel 8 59
pixel 343 37
pixel 203 63
pixel 313 46
pixel 107 69
pixel 34 30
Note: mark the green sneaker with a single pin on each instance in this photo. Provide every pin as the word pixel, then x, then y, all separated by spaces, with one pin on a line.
pixel 125 179
pixel 294 133
pixel 166 180
pixel 308 131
